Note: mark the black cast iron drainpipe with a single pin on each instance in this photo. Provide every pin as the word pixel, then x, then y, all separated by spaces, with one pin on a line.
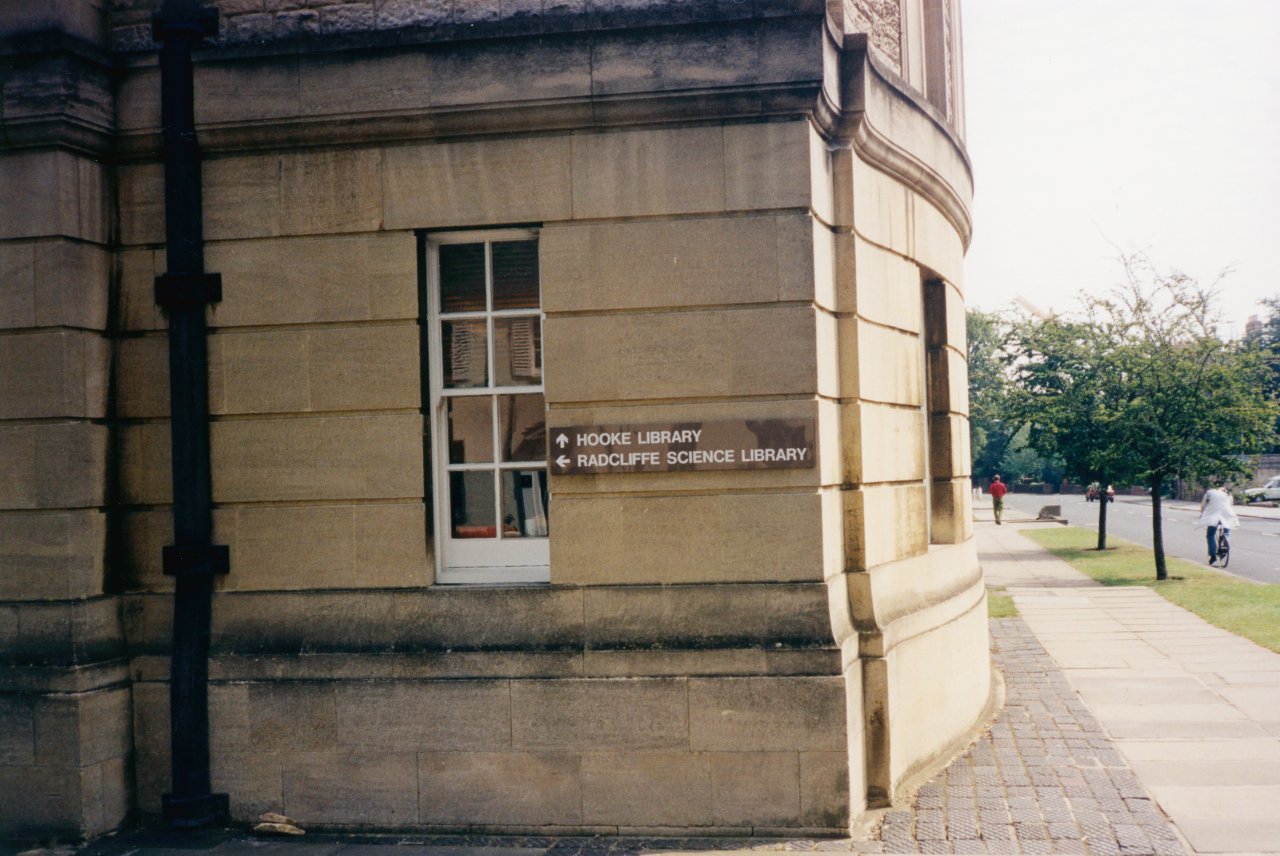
pixel 185 291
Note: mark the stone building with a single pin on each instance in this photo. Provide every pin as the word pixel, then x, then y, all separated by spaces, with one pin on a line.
pixel 448 233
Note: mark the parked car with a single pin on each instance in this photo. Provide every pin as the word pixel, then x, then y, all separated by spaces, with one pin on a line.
pixel 1269 491
pixel 1095 491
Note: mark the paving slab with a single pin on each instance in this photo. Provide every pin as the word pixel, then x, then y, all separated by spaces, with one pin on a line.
pixel 1166 730
pixel 1143 693
pixel 1242 837
pixel 1224 804
pixel 1241 749
pixel 1245 678
pixel 1185 712
pixel 1221 772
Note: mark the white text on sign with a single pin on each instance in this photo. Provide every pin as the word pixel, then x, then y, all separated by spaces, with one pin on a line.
pixel 725 444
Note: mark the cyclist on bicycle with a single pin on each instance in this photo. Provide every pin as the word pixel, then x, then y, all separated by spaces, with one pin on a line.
pixel 1215 511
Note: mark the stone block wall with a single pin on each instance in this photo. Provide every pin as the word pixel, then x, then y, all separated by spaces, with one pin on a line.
pixel 613 755
pixel 910 578
pixel 314 382
pixel 605 708
pixel 64 696
pixel 646 326
pixel 665 660
pixel 741 213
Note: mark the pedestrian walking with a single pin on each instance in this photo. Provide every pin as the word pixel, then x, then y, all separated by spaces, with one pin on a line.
pixel 997 490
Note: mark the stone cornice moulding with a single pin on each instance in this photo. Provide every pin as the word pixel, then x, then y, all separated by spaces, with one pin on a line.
pixel 434 620
pixel 610 112
pixel 878 150
pixel 846 98
pixel 511 20
pixel 57 132
pixel 47 116
pixel 60 635
pixel 847 116
pixel 54 43
pixel 787 90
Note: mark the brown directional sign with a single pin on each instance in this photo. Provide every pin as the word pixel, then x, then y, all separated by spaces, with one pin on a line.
pixel 726 444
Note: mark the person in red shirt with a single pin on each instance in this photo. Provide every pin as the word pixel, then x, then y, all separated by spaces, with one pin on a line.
pixel 997 490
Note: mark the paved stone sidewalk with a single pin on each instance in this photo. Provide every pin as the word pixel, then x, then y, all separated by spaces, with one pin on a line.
pixel 1193 709
pixel 1045 779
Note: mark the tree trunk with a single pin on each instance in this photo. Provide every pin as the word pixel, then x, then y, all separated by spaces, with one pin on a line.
pixel 1157 529
pixel 1102 516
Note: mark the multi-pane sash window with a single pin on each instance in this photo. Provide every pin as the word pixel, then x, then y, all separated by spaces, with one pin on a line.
pixel 488 411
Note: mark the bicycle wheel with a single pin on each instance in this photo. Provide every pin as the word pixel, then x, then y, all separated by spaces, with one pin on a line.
pixel 1224 549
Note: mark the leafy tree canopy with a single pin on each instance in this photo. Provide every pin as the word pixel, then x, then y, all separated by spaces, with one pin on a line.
pixel 991 425
pixel 999 436
pixel 1141 388
pixel 1264 336
pixel 1193 404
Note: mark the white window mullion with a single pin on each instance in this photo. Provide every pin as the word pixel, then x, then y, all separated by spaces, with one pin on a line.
pixel 481 559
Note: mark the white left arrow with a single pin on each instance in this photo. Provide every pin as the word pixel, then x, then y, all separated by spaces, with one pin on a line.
pixel 562 441
pixel 562 461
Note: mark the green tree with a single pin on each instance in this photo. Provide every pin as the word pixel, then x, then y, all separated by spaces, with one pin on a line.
pixel 1024 462
pixel 999 436
pixel 991 426
pixel 1170 399
pixel 1067 380
pixel 1264 336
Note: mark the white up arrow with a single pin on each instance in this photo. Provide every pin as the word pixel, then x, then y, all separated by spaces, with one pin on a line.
pixel 562 441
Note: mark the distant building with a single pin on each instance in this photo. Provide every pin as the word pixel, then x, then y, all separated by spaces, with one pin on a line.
pixel 588 414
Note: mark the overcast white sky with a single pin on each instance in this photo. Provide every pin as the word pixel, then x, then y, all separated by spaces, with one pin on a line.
pixel 1097 126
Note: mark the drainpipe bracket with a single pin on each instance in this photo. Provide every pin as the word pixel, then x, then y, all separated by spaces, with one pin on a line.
pixel 198 22
pixel 196 561
pixel 188 289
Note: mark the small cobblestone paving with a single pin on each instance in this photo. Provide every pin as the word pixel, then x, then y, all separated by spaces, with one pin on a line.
pixel 1043 779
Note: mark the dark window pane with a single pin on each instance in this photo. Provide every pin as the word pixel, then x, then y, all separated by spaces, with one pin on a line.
pixel 523 422
pixel 515 275
pixel 524 503
pixel 470 429
pixel 462 278
pixel 471 500
pixel 466 359
pixel 517 358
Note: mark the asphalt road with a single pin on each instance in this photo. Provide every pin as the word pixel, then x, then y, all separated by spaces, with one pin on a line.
pixel 1255 546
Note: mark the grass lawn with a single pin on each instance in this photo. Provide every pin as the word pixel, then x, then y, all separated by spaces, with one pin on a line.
pixel 999 604
pixel 1251 610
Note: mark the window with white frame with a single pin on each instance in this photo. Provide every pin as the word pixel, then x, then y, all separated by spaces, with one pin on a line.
pixel 487 411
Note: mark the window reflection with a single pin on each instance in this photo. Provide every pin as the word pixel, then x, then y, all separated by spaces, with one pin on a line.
pixel 470 429
pixel 517 354
pixel 515 275
pixel 466 353
pixel 471 500
pixel 524 504
pixel 523 424
pixel 462 278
